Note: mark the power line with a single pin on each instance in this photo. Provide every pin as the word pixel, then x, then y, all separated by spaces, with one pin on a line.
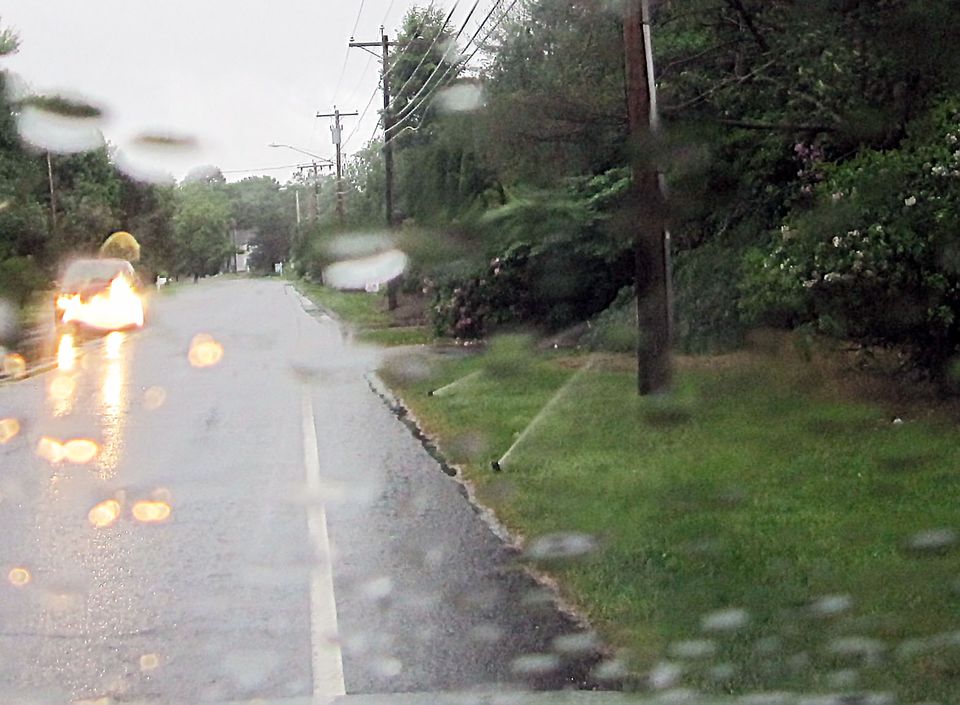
pixel 346 56
pixel 432 44
pixel 357 23
pixel 264 168
pixel 363 114
pixel 408 113
pixel 406 109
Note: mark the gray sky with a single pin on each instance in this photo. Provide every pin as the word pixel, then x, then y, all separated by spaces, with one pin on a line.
pixel 234 74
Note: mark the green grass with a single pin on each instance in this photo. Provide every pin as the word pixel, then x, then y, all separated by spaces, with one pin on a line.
pixel 356 308
pixel 749 488
pixel 367 314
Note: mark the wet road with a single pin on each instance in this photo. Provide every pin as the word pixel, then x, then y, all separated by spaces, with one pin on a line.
pixel 312 546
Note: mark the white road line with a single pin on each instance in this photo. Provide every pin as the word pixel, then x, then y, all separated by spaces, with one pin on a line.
pixel 327 660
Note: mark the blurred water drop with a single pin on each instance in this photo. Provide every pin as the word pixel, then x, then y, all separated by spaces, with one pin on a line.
pixel 461 97
pixel 41 125
pixel 204 351
pixel 831 605
pixel 722 672
pixel 154 398
pixel 486 633
pixel 149 662
pixel 535 664
pixel 104 514
pixel 576 643
pixel 378 588
pixel 361 274
pixel 19 577
pixel 14 365
pixel 50 449
pixel 665 675
pixel 843 679
pixel 166 141
pixel 149 512
pixel 933 541
pixel 9 428
pixel 768 698
pixel 725 620
pixel 609 670
pixel 858 647
pixel 693 649
pixel 80 450
pixel 387 667
pixel 62 388
pixel 561 545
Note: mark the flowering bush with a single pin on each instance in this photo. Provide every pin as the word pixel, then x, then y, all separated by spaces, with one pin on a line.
pixel 877 258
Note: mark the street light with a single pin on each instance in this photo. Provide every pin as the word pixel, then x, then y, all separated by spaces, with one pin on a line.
pixel 316 171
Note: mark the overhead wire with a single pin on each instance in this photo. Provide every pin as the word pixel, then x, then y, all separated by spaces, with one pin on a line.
pixel 436 70
pixel 410 109
pixel 346 56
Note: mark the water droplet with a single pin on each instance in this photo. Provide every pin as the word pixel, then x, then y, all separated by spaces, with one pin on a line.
pixel 104 514
pixel 9 428
pixel 461 97
pixel 831 605
pixel 154 398
pixel 62 388
pixel 535 664
pixel 80 450
pixel 665 675
pixel 843 679
pixel 722 672
pixel 150 512
pixel 9 317
pixel 576 643
pixel 205 351
pixel 388 667
pixel 486 633
pixel 378 588
pixel 933 541
pixel 856 647
pixel 44 126
pixel 693 649
pixel 725 620
pixel 561 545
pixel 19 577
pixel 50 449
pixel 359 274
pixel 149 662
pixel 609 670
pixel 14 365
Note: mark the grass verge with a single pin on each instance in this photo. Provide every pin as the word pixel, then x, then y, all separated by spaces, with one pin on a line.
pixel 754 529
pixel 366 313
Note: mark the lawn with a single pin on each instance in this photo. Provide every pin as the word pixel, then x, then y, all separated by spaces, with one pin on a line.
pixel 753 488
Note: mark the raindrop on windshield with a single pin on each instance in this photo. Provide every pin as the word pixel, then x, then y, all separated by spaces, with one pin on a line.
pixel 60 125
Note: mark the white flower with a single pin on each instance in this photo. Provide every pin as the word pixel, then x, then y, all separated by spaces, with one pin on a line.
pixel 836 241
pixel 831 277
pixel 837 196
pixel 912 201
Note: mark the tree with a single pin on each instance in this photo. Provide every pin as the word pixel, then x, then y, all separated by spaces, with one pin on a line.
pixel 201 230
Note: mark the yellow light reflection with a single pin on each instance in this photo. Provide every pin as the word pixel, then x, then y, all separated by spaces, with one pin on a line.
pixel 154 398
pixel 9 428
pixel 66 353
pixel 19 577
pixel 151 512
pixel 205 351
pixel 104 514
pixel 62 394
pixel 113 344
pixel 80 450
pixel 50 449
pixel 113 404
pixel 14 365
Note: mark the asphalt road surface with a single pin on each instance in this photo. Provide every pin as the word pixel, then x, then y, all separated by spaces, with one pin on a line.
pixel 256 525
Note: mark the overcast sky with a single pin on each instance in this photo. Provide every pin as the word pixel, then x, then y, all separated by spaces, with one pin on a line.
pixel 234 74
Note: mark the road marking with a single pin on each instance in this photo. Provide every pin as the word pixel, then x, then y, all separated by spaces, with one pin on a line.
pixel 327 660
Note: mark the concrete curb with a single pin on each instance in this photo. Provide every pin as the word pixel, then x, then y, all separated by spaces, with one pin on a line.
pixel 510 539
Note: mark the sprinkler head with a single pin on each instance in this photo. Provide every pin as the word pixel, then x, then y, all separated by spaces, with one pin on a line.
pixel 496 466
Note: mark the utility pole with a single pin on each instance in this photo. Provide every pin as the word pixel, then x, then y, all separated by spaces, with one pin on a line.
pixel 652 248
pixel 313 166
pixel 385 45
pixel 53 198
pixel 336 132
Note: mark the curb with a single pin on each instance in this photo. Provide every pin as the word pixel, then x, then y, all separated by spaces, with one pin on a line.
pixel 511 540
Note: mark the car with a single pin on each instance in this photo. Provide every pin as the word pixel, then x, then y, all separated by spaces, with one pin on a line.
pixel 101 294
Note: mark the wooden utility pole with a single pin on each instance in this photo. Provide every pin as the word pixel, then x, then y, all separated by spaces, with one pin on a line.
pixel 336 132
pixel 652 278
pixel 315 168
pixel 385 45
